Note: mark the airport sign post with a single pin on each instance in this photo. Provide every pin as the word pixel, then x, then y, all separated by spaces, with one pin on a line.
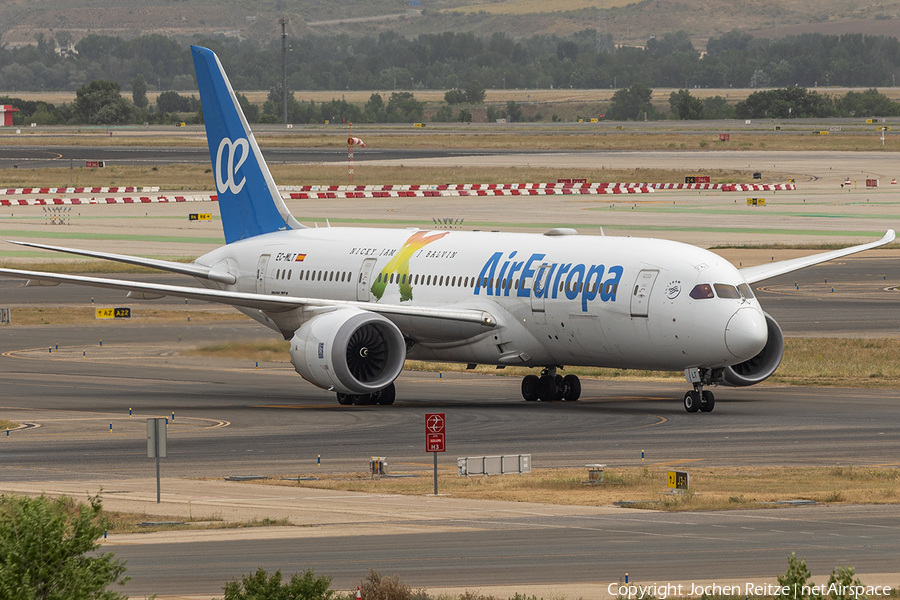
pixel 156 444
pixel 435 430
pixel 679 480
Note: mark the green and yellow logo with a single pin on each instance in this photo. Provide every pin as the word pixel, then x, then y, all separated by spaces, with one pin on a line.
pixel 399 265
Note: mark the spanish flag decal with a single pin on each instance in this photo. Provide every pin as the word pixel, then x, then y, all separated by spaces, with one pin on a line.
pixel 300 258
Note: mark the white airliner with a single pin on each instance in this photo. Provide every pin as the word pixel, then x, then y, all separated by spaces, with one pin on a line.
pixel 355 303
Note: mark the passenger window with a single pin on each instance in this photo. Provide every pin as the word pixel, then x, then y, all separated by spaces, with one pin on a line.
pixel 746 292
pixel 723 290
pixel 289 273
pixel 702 291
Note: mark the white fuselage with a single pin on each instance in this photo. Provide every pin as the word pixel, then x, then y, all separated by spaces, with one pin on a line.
pixel 558 299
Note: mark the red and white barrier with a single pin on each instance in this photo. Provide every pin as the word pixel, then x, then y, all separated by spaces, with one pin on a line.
pixel 77 190
pixel 514 189
pixel 307 192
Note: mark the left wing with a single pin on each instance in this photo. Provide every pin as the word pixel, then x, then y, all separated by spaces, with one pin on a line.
pixel 770 270
pixel 275 304
pixel 163 265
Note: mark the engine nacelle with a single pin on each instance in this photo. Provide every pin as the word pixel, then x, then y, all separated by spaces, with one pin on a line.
pixel 761 366
pixel 348 350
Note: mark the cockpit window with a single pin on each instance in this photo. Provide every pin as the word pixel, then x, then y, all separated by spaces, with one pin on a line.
pixel 746 291
pixel 723 290
pixel 702 291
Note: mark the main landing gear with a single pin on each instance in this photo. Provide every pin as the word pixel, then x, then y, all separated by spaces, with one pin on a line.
pixel 550 387
pixel 698 399
pixel 385 397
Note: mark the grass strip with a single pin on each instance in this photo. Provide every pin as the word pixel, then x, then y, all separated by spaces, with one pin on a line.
pixel 837 362
pixel 130 522
pixel 54 315
pixel 74 235
pixel 712 488
pixel 199 177
pixel 599 136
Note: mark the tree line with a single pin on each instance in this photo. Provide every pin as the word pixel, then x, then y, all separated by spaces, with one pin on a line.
pixel 101 103
pixel 453 60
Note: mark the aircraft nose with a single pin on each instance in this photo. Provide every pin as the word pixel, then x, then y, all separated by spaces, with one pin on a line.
pixel 746 333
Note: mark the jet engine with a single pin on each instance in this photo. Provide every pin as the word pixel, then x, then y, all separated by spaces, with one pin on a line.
pixel 348 350
pixel 761 366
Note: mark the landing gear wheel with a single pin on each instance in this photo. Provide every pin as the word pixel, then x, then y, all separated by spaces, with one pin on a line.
pixel 386 396
pixel 692 402
pixel 571 388
pixel 547 388
pixel 530 387
pixel 707 402
pixel 346 399
pixel 365 400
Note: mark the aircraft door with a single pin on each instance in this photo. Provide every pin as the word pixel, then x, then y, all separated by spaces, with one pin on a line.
pixel 364 279
pixel 541 287
pixel 640 295
pixel 261 269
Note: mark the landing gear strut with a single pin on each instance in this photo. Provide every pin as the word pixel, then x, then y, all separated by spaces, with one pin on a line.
pixel 699 399
pixel 550 387
pixel 384 396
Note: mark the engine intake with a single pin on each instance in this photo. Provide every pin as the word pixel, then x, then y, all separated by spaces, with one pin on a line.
pixel 761 366
pixel 348 350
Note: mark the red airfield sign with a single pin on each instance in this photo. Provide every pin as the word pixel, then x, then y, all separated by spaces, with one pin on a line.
pixel 435 429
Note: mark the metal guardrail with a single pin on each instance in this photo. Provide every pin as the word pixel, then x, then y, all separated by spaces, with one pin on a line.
pixel 493 465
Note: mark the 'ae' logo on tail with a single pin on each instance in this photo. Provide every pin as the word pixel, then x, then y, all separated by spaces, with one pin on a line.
pixel 225 180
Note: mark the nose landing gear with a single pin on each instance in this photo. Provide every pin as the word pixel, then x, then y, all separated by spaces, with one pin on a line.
pixel 698 399
pixel 550 387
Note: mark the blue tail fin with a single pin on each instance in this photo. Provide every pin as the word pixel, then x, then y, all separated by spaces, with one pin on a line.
pixel 249 201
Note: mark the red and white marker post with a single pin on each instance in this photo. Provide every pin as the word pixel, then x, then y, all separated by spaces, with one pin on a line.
pixel 352 141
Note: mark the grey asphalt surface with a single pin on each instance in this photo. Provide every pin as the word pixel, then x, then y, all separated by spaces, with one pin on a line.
pixel 729 547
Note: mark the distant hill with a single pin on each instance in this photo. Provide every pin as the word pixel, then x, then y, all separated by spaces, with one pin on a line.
pixel 67 21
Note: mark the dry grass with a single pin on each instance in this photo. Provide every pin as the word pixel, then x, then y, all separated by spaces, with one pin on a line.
pixel 128 522
pixel 711 488
pixel 262 350
pixel 525 7
pixel 584 136
pixel 198 177
pixel 83 315
pixel 859 363
pixel 856 363
pixel 4 424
